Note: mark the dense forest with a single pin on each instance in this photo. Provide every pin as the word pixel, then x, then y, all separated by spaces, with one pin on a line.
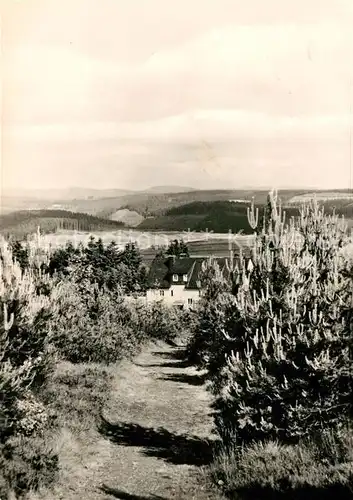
pixel 217 216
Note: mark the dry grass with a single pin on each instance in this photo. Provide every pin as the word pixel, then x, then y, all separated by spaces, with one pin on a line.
pixel 270 470
pixel 76 394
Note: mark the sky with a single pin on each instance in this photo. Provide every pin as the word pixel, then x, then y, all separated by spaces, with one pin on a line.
pixel 201 93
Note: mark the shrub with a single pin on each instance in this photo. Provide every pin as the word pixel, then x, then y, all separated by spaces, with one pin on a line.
pixel 158 321
pixel 27 361
pixel 93 324
pixel 27 464
pixel 206 347
pixel 77 394
pixel 283 367
pixel 271 469
pixel 25 317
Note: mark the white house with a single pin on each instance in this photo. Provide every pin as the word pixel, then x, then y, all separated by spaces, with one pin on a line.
pixel 176 280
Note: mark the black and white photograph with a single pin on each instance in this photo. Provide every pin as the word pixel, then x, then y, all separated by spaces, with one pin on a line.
pixel 176 250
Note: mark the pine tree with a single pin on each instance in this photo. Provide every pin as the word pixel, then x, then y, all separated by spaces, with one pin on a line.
pixel 177 248
pixel 284 365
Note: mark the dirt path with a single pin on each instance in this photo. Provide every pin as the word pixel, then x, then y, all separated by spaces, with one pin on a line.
pixel 155 435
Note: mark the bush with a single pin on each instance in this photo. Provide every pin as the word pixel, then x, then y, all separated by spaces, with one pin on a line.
pixel 25 318
pixel 157 321
pixel 26 464
pixel 271 470
pixel 207 346
pixel 77 394
pixel 25 353
pixel 27 361
pixel 279 359
pixel 93 324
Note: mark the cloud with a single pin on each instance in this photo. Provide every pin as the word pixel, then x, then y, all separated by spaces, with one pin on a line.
pixel 193 126
pixel 265 96
pixel 286 69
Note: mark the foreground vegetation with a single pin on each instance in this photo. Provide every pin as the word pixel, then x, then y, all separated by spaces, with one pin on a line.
pixel 275 336
pixel 64 322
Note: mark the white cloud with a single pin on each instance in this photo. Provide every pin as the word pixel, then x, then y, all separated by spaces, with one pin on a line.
pixel 285 69
pixel 266 96
pixel 189 127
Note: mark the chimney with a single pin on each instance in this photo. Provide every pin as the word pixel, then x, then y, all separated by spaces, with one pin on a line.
pixel 171 260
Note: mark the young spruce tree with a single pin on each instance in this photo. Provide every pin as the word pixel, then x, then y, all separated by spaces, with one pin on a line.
pixel 284 368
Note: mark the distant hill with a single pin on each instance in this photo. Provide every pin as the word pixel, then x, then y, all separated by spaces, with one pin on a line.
pixel 153 202
pixel 223 216
pixel 332 196
pixel 81 193
pixel 158 204
pixel 216 216
pixel 65 194
pixel 92 201
pixel 22 223
pixel 168 189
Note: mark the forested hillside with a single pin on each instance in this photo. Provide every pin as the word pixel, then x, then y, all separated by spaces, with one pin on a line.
pixel 216 216
pixel 24 222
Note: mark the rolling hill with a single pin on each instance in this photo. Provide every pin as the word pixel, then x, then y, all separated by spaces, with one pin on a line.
pixel 168 189
pixel 227 216
pixel 159 205
pixel 22 223
pixel 216 216
pixel 153 210
pixel 77 199
pixel 65 194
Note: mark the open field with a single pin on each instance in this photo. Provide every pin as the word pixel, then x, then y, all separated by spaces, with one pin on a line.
pixel 322 196
pixel 146 239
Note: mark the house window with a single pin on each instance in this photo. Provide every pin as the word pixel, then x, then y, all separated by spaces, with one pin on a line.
pixel 172 292
pixel 190 302
pixel 175 277
pixel 161 293
pixel 185 278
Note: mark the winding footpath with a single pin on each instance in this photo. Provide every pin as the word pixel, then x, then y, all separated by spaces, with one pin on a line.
pixel 155 436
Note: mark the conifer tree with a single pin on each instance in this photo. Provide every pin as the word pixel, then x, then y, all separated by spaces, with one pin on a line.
pixel 284 369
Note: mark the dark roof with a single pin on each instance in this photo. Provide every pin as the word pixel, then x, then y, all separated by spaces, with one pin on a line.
pixel 162 270
pixel 158 274
pixel 195 275
pixel 182 266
